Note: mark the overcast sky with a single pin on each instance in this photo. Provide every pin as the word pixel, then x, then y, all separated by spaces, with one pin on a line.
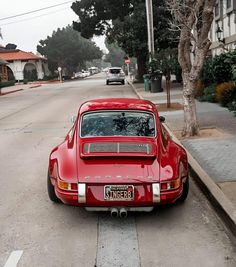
pixel 26 31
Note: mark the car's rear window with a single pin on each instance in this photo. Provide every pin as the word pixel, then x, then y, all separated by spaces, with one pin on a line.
pixel 118 123
pixel 115 71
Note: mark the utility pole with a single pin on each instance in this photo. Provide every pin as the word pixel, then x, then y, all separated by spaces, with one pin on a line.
pixel 1 33
pixel 149 12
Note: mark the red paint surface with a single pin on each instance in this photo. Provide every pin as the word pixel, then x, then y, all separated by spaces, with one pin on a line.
pixel 67 162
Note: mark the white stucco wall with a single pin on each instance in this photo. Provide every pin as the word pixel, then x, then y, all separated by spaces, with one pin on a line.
pixel 227 22
pixel 17 68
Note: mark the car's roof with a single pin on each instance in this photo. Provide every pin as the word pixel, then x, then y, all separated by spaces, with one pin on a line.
pixel 114 68
pixel 116 104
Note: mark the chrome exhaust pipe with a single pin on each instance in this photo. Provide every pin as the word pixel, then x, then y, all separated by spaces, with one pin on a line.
pixel 123 213
pixel 114 212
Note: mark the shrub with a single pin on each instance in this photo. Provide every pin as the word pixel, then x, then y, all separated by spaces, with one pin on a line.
pixel 207 72
pixel 209 94
pixel 199 89
pixel 225 92
pixel 49 77
pixel 221 68
pixel 7 83
pixel 30 75
pixel 232 107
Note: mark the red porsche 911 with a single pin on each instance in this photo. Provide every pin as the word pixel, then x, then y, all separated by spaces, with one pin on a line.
pixel 118 157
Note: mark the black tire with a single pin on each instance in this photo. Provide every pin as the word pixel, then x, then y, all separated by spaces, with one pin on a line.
pixel 185 190
pixel 51 192
pixel 123 82
pixel 107 82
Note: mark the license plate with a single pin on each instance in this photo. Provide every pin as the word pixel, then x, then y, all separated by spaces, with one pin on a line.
pixel 119 192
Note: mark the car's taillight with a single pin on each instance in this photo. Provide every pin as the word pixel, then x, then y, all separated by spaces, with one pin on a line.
pixel 170 185
pixel 67 186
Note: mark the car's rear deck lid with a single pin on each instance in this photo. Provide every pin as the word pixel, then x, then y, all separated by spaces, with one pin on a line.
pixel 103 149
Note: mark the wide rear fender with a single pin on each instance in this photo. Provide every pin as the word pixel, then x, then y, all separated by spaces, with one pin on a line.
pixel 63 160
pixel 173 159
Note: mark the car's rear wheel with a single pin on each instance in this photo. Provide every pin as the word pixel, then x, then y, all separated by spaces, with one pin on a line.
pixel 51 191
pixel 123 82
pixel 107 82
pixel 185 190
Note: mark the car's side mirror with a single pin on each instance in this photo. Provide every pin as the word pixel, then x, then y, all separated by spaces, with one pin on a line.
pixel 73 119
pixel 162 119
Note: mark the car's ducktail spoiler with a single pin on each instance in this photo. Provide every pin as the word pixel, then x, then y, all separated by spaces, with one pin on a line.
pixel 118 149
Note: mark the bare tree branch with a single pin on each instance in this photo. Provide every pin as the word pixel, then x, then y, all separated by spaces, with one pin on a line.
pixel 193 18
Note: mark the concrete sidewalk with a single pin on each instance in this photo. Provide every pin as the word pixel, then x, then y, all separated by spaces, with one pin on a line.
pixel 18 87
pixel 214 150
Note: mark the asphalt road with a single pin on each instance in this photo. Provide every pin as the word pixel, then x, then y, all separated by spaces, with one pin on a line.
pixel 36 232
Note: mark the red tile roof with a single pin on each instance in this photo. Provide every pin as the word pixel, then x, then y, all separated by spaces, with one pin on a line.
pixel 18 55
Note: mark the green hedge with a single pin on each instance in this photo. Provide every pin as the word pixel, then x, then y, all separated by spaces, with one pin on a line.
pixel 209 94
pixel 7 83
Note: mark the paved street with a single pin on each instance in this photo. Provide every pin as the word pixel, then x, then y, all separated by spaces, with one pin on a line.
pixel 32 122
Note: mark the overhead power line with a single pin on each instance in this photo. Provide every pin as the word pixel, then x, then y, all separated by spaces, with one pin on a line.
pixel 33 11
pixel 31 18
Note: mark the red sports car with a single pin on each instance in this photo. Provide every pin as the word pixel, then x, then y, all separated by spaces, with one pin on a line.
pixel 118 157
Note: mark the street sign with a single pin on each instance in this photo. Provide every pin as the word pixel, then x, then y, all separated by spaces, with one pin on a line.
pixel 60 74
pixel 127 61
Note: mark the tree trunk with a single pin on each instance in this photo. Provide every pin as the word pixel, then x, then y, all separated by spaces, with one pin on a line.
pixel 191 126
pixel 168 90
pixel 141 67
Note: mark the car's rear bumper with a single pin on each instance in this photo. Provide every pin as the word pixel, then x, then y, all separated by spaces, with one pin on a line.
pixel 135 209
pixel 93 196
pixel 110 80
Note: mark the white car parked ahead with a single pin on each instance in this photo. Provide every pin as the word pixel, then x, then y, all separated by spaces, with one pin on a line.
pixel 115 74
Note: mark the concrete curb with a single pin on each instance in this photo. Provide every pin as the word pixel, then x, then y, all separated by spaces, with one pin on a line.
pixel 35 86
pixel 220 202
pixel 134 89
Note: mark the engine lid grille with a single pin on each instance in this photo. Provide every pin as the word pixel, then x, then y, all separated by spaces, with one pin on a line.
pixel 118 148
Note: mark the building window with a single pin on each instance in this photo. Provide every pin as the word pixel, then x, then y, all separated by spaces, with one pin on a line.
pixel 228 4
pixel 217 9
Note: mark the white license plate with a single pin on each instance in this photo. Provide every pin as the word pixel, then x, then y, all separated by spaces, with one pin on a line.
pixel 119 192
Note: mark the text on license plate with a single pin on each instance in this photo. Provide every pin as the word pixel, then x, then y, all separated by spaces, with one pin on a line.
pixel 119 192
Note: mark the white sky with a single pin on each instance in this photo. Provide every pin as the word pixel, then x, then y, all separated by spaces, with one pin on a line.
pixel 36 26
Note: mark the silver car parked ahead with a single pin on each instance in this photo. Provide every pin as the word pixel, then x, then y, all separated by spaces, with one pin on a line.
pixel 115 74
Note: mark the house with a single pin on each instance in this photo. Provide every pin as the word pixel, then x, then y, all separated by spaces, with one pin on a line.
pixel 3 70
pixel 21 63
pixel 223 32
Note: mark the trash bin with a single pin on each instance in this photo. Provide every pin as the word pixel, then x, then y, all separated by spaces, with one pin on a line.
pixel 146 80
pixel 156 84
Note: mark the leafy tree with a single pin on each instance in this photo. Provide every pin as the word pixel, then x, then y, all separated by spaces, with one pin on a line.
pixel 66 48
pixel 125 23
pixel 115 56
